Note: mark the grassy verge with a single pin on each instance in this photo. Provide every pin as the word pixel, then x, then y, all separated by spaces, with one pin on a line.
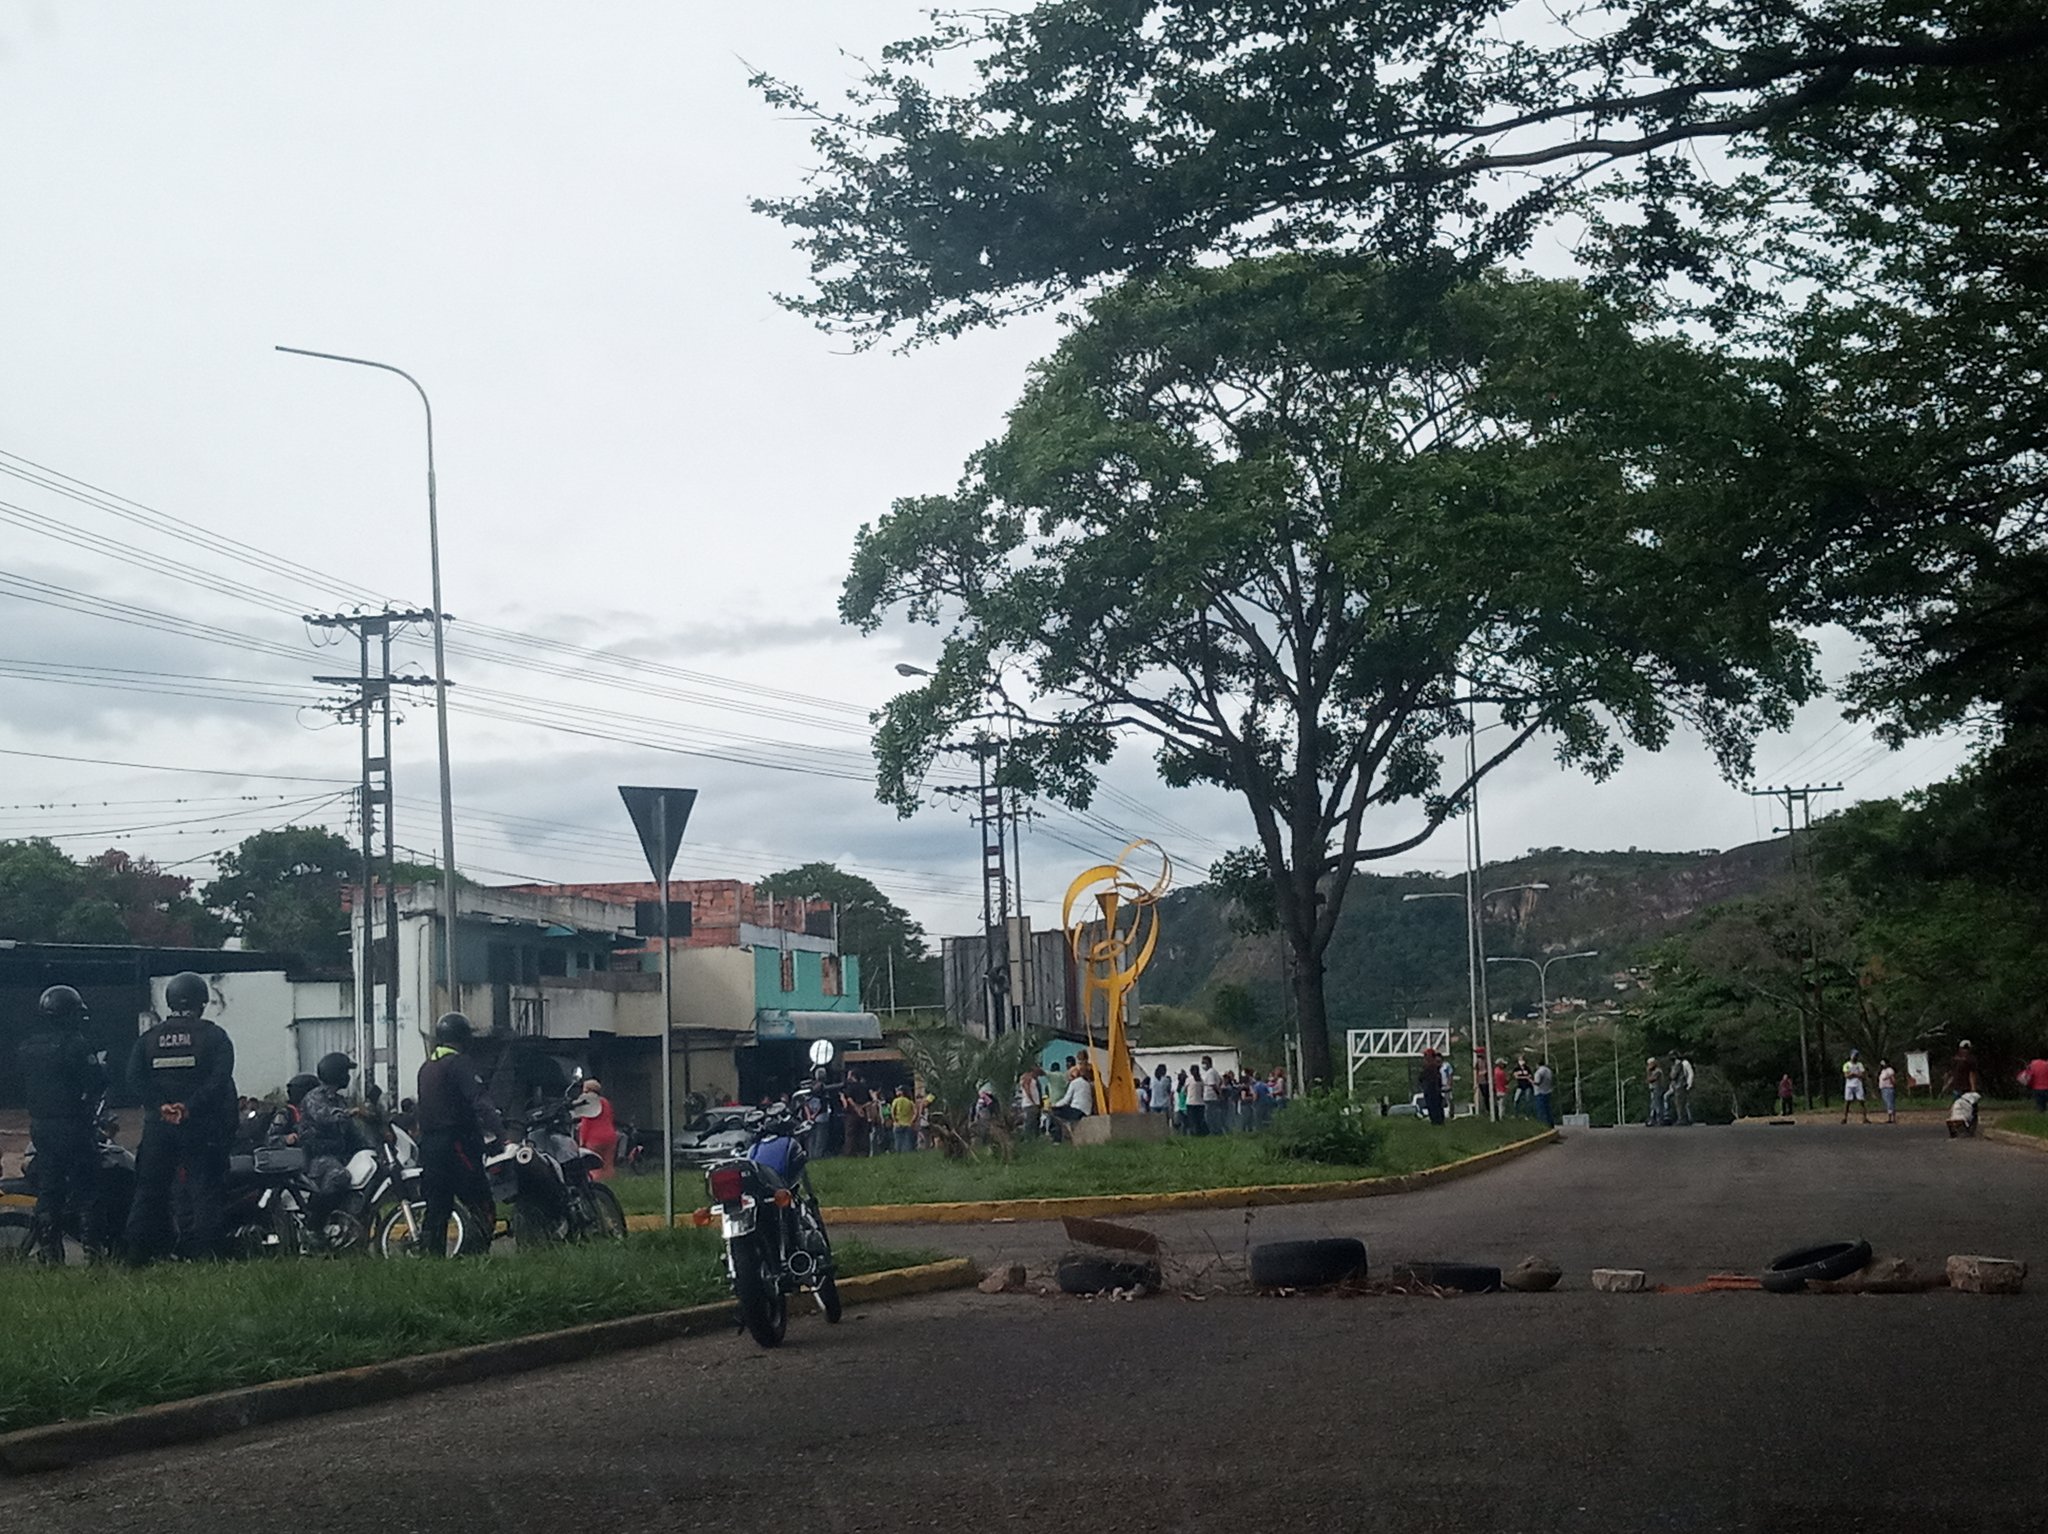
pixel 1079 1171
pixel 2025 1122
pixel 83 1343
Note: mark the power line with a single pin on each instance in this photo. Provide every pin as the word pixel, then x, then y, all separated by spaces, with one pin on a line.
pixel 209 772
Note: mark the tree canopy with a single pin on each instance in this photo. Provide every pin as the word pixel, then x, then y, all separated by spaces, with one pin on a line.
pixel 285 890
pixel 871 926
pixel 114 897
pixel 1292 519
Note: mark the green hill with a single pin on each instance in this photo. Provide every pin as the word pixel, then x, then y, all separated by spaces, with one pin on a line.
pixel 1393 959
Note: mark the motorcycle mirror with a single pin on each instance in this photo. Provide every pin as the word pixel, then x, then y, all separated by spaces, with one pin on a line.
pixel 585 1107
pixel 822 1052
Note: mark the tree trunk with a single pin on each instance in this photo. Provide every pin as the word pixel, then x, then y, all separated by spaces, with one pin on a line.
pixel 1312 1019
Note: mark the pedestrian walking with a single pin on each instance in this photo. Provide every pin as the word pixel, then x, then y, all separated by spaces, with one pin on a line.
pixel 1546 1079
pixel 1785 1096
pixel 1853 1073
pixel 2034 1077
pixel 1678 1090
pixel 458 1123
pixel 1653 1078
pixel 1962 1071
pixel 63 1082
pixel 1888 1089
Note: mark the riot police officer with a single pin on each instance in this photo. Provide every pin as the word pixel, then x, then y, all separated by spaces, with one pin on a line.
pixel 457 1118
pixel 64 1083
pixel 328 1135
pixel 183 1072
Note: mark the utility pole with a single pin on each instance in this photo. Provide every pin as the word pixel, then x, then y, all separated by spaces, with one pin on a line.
pixel 372 698
pixel 1799 817
pixel 994 816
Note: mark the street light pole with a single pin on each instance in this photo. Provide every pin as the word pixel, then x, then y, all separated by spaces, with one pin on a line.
pixel 440 670
pixel 1542 969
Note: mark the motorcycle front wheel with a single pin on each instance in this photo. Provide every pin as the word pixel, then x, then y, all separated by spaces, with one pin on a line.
pixel 828 1299
pixel 764 1308
pixel 399 1230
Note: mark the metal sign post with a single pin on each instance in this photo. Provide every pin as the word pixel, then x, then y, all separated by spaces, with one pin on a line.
pixel 659 815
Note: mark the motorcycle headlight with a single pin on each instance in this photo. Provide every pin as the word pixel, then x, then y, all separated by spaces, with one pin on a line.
pixel 523 1155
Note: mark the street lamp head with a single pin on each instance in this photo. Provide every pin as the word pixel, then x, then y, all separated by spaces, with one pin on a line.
pixel 904 668
pixel 1435 895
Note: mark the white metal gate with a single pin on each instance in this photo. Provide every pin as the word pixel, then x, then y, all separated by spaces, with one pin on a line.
pixel 1363 1044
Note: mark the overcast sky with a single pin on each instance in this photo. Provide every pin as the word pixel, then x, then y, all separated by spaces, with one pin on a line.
pixel 541 212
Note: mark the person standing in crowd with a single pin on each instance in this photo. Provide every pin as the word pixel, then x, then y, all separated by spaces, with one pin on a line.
pixel 1678 1089
pixel 1162 1090
pixel 1078 1102
pixel 1525 1087
pixel 183 1074
pixel 1212 1091
pixel 1853 1074
pixel 2034 1077
pixel 1653 1079
pixel 1432 1084
pixel 903 1119
pixel 458 1121
pixel 1450 1076
pixel 1262 1102
pixel 1198 1101
pixel 599 1132
pixel 1888 1089
pixel 853 1105
pixel 1785 1096
pixel 1546 1079
pixel 1030 1096
pixel 63 1081
pixel 1502 1083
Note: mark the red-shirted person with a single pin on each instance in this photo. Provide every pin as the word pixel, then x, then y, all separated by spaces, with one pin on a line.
pixel 601 1131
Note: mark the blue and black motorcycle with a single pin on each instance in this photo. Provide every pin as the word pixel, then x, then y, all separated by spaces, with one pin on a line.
pixel 775 1241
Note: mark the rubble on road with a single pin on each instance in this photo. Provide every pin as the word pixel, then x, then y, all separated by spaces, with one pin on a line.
pixel 1620 1280
pixel 1986 1275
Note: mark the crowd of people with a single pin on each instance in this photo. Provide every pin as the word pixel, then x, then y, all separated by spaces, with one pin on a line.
pixel 1527 1091
pixel 1200 1099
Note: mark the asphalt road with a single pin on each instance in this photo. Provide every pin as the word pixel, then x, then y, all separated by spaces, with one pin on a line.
pixel 1573 1410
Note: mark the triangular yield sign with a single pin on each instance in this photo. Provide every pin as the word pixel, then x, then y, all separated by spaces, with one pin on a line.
pixel 659 815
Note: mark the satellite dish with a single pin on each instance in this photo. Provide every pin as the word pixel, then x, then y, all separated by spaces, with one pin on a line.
pixel 822 1052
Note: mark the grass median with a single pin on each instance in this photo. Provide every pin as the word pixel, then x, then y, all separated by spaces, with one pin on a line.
pixel 1179 1165
pixel 2025 1122
pixel 91 1342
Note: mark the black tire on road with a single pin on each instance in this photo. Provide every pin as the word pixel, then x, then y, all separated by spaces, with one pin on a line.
pixel 764 1308
pixel 1308 1264
pixel 1792 1272
pixel 1094 1275
pixel 1464 1277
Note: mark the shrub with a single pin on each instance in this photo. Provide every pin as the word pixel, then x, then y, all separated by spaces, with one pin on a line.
pixel 1326 1127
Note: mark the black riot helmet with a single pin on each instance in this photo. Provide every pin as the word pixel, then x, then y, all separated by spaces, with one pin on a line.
pixel 63 1006
pixel 296 1089
pixel 187 994
pixel 453 1029
pixel 334 1070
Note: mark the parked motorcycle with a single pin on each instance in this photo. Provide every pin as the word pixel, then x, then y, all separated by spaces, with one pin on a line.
pixel 775 1241
pixel 20 1238
pixel 548 1182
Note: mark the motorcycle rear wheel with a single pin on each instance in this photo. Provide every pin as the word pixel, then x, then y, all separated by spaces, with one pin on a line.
pixel 764 1308
pixel 262 1233
pixel 396 1237
pixel 603 1218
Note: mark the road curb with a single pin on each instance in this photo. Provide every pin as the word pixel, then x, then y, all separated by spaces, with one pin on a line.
pixel 2012 1137
pixel 60 1445
pixel 984 1211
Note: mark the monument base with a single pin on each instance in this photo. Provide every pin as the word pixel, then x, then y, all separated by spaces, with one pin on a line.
pixel 1101 1128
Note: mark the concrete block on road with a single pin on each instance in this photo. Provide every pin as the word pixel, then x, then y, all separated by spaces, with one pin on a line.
pixel 1986 1275
pixel 1620 1280
pixel 1533 1275
pixel 1101 1128
pixel 1003 1280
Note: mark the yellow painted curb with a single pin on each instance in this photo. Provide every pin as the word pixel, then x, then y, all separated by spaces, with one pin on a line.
pixel 1105 1205
pixel 2012 1137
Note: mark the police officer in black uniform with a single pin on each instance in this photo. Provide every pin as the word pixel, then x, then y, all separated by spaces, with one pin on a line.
pixel 64 1083
pixel 183 1071
pixel 457 1118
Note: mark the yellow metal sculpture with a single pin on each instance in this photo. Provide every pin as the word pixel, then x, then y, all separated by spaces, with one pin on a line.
pixel 1112 946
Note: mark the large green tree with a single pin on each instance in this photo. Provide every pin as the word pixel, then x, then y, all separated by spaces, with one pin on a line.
pixel 1291 520
pixel 285 891
pixel 871 926
pixel 1851 185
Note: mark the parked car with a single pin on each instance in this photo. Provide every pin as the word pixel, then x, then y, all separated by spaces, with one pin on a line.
pixel 718 1134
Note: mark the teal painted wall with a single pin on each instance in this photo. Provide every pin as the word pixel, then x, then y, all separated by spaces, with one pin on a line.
pixel 809 995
